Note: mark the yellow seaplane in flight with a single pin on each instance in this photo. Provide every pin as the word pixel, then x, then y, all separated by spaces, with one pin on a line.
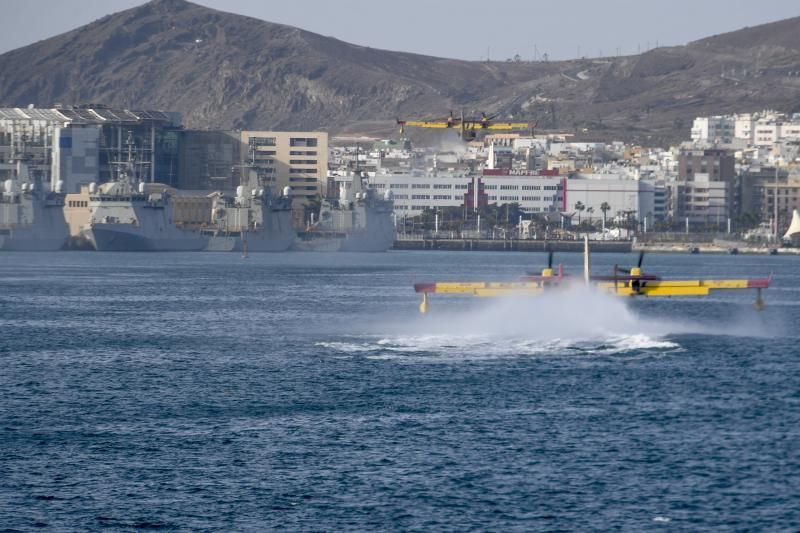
pixel 623 282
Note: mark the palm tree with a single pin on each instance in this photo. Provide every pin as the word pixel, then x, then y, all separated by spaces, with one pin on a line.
pixel 579 207
pixel 590 210
pixel 604 207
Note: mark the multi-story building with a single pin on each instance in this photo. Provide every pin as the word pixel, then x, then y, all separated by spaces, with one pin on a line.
pixel 413 193
pixel 787 193
pixel 209 160
pixel 77 145
pixel 705 189
pixel 764 129
pixel 622 197
pixel 702 200
pixel 288 159
pixel 500 156
pixel 761 186
pixel 717 129
pixel 719 165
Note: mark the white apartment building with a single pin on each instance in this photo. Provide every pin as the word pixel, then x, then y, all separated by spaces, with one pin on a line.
pixel 637 197
pixel 764 129
pixel 717 129
pixel 413 193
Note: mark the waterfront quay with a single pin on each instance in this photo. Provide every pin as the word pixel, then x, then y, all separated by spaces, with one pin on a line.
pixel 420 242
pixel 507 245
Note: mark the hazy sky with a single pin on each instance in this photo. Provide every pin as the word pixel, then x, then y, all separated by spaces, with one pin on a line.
pixel 467 29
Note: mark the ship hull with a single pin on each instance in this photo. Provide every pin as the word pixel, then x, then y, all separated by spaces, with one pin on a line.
pixel 22 242
pixel 375 235
pixel 129 238
pixel 277 236
pixel 35 224
pixel 350 242
pixel 255 243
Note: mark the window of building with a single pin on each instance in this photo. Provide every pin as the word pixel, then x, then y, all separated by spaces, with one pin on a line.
pixel 302 171
pixel 262 141
pixel 302 141
pixel 442 186
pixel 420 196
pixel 302 152
pixel 442 197
pixel 398 186
pixel 302 161
pixel 420 185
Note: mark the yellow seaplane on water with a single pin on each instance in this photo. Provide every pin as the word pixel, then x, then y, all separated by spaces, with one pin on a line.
pixel 623 282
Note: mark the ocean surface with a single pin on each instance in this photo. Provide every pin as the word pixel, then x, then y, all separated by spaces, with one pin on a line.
pixel 304 391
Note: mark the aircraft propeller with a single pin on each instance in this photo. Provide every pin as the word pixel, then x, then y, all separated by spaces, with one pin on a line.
pixel 629 270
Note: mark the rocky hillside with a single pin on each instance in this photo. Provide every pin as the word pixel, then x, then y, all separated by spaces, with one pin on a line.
pixel 229 71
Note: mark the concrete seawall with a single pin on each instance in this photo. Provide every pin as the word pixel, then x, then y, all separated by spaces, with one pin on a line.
pixel 511 245
pixel 708 248
pixel 514 245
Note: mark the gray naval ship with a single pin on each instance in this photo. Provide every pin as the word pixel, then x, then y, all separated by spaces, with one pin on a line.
pixel 125 217
pixel 31 217
pixel 359 220
pixel 130 215
pixel 254 220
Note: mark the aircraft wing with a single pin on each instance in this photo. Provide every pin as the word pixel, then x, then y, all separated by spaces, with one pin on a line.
pixel 508 126
pixel 430 124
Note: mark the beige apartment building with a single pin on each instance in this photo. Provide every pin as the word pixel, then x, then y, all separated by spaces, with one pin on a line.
pixel 293 159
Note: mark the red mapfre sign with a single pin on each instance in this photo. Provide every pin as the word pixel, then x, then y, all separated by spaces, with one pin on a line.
pixel 513 172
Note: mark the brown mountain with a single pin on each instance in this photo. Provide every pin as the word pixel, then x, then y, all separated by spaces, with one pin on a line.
pixel 229 71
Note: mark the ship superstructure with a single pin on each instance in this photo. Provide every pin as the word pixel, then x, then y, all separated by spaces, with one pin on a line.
pixel 31 217
pixel 254 220
pixel 127 217
pixel 358 220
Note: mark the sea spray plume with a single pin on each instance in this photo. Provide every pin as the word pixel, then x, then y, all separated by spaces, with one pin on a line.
pixel 577 320
pixel 577 312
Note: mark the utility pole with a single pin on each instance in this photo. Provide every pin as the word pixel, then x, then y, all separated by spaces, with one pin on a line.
pixel 775 203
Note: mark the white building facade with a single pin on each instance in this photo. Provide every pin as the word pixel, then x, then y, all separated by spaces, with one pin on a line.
pixel 413 193
pixel 634 198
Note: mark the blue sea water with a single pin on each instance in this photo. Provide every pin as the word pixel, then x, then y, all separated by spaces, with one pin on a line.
pixel 305 392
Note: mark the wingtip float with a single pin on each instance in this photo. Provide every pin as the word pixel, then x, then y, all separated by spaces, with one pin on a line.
pixel 623 282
